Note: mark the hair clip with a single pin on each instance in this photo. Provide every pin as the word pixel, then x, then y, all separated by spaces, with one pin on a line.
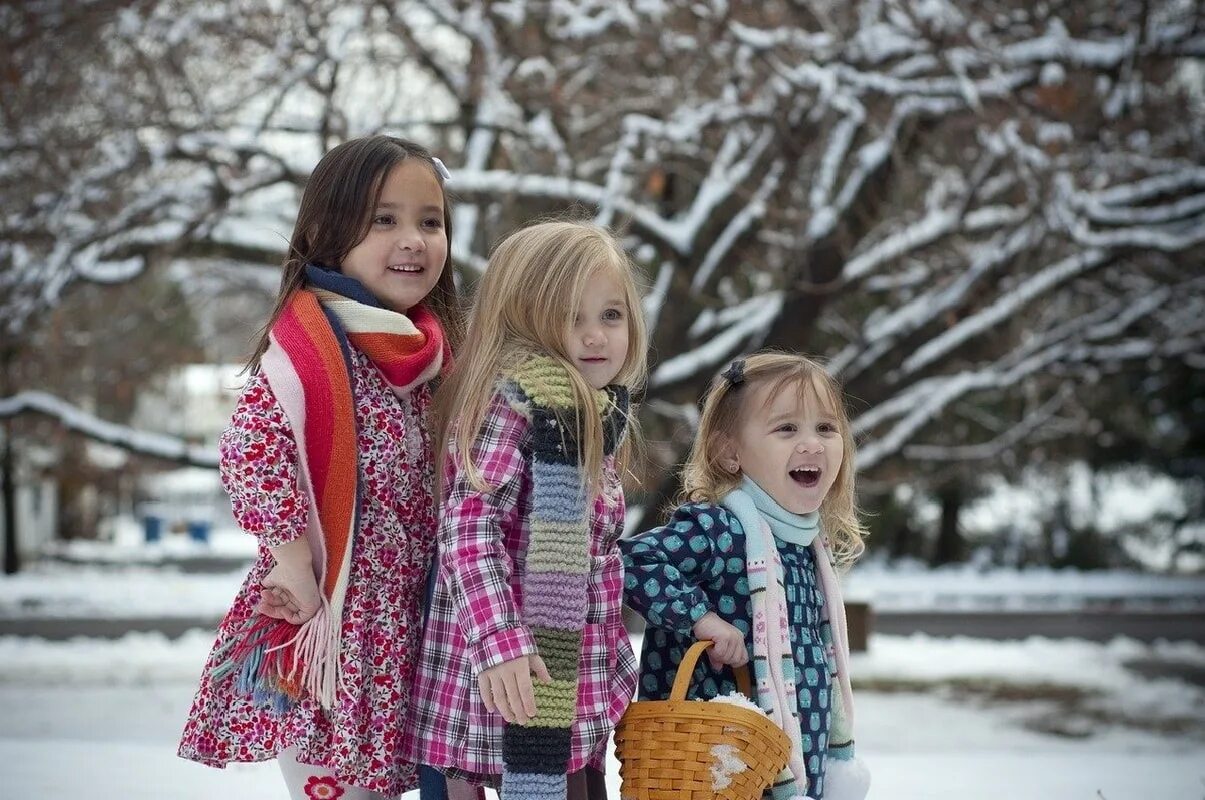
pixel 735 374
pixel 444 175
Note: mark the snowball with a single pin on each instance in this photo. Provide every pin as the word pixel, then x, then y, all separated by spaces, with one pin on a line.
pixel 737 699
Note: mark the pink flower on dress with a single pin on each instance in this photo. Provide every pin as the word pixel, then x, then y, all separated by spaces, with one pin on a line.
pixel 324 788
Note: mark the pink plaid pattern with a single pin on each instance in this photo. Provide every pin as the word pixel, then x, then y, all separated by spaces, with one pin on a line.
pixel 475 619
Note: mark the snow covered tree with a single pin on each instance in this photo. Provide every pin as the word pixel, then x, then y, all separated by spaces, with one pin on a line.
pixel 974 211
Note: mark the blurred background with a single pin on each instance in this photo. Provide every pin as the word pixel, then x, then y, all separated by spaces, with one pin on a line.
pixel 987 218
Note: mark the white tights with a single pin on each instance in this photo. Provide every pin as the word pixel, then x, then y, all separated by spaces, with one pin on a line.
pixel 298 777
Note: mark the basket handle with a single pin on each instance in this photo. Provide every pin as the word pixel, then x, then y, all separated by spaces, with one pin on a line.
pixel 687 669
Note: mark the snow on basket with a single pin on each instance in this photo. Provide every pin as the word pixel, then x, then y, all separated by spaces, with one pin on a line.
pixel 679 749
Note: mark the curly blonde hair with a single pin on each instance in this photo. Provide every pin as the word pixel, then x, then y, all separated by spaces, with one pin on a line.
pixel 704 477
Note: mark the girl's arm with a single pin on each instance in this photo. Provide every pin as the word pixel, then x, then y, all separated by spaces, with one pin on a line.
pixel 474 561
pixel 259 465
pixel 667 567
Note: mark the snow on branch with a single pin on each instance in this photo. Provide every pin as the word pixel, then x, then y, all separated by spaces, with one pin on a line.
pixel 731 167
pixel 655 300
pixel 1120 205
pixel 1005 307
pixel 744 219
pixel 881 332
pixel 925 400
pixel 503 183
pixel 156 445
pixel 869 158
pixel 1057 45
pixel 1034 421
pixel 721 346
pixel 937 223
pixel 1183 178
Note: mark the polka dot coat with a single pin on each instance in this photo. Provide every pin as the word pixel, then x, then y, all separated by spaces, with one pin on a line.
pixel 695 563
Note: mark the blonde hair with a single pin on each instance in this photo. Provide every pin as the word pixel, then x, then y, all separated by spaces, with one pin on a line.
pixel 704 478
pixel 525 305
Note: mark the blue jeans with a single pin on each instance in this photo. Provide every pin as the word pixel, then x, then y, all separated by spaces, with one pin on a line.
pixel 431 784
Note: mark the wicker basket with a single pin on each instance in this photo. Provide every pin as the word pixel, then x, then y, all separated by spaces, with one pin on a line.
pixel 664 747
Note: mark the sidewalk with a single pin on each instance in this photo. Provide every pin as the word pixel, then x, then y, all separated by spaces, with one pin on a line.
pixel 107 589
pixel 226 549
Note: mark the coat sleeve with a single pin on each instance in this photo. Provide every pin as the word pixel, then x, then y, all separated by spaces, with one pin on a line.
pixel 474 562
pixel 259 463
pixel 668 568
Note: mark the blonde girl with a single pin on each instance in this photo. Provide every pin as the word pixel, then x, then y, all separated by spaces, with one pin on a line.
pixel 526 666
pixel 747 561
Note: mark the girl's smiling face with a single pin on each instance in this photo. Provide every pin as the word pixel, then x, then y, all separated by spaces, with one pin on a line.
pixel 402 256
pixel 788 443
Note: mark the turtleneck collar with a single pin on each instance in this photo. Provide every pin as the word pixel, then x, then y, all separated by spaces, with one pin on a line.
pixel 798 529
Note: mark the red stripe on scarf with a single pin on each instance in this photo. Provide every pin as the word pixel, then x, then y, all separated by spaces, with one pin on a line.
pixel 403 359
pixel 330 427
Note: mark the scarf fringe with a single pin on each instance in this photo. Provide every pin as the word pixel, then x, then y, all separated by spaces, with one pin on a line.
pixel 276 661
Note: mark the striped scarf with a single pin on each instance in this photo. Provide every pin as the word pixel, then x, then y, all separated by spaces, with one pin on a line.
pixel 764 521
pixel 554 588
pixel 308 364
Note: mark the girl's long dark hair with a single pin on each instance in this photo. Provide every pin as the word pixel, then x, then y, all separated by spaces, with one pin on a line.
pixel 335 215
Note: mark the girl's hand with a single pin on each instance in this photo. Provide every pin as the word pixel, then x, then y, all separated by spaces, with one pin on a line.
pixel 290 594
pixel 729 642
pixel 506 689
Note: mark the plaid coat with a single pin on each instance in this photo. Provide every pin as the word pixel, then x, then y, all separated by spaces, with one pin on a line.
pixel 475 617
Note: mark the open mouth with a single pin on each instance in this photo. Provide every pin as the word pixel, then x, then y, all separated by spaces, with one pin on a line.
pixel 806 476
pixel 411 269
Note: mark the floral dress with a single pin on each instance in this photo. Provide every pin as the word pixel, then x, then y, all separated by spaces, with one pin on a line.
pixel 359 739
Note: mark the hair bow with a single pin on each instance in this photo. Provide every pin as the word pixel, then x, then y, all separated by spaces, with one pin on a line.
pixel 735 374
pixel 444 175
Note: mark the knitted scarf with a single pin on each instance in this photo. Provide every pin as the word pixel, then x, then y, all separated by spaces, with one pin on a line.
pixel 765 521
pixel 554 588
pixel 308 364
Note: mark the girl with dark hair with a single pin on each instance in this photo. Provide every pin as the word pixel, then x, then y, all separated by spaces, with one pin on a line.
pixel 328 461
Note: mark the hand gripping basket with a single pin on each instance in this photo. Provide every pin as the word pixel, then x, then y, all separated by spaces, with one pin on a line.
pixel 665 751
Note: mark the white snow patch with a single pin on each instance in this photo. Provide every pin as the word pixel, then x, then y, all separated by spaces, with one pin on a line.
pixel 737 699
pixel 726 763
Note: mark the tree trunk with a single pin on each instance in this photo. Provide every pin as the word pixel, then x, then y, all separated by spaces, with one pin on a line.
pixel 12 559
pixel 8 482
pixel 950 547
pixel 903 542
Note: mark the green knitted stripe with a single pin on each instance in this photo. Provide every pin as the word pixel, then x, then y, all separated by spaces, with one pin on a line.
pixel 556 703
pixel 558 547
pixel 560 650
pixel 559 558
pixel 547 384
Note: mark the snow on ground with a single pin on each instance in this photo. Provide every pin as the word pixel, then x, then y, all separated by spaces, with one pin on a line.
pixel 50 589
pixel 96 718
pixel 916 587
pixel 131 579
pixel 940 719
pixel 125 543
